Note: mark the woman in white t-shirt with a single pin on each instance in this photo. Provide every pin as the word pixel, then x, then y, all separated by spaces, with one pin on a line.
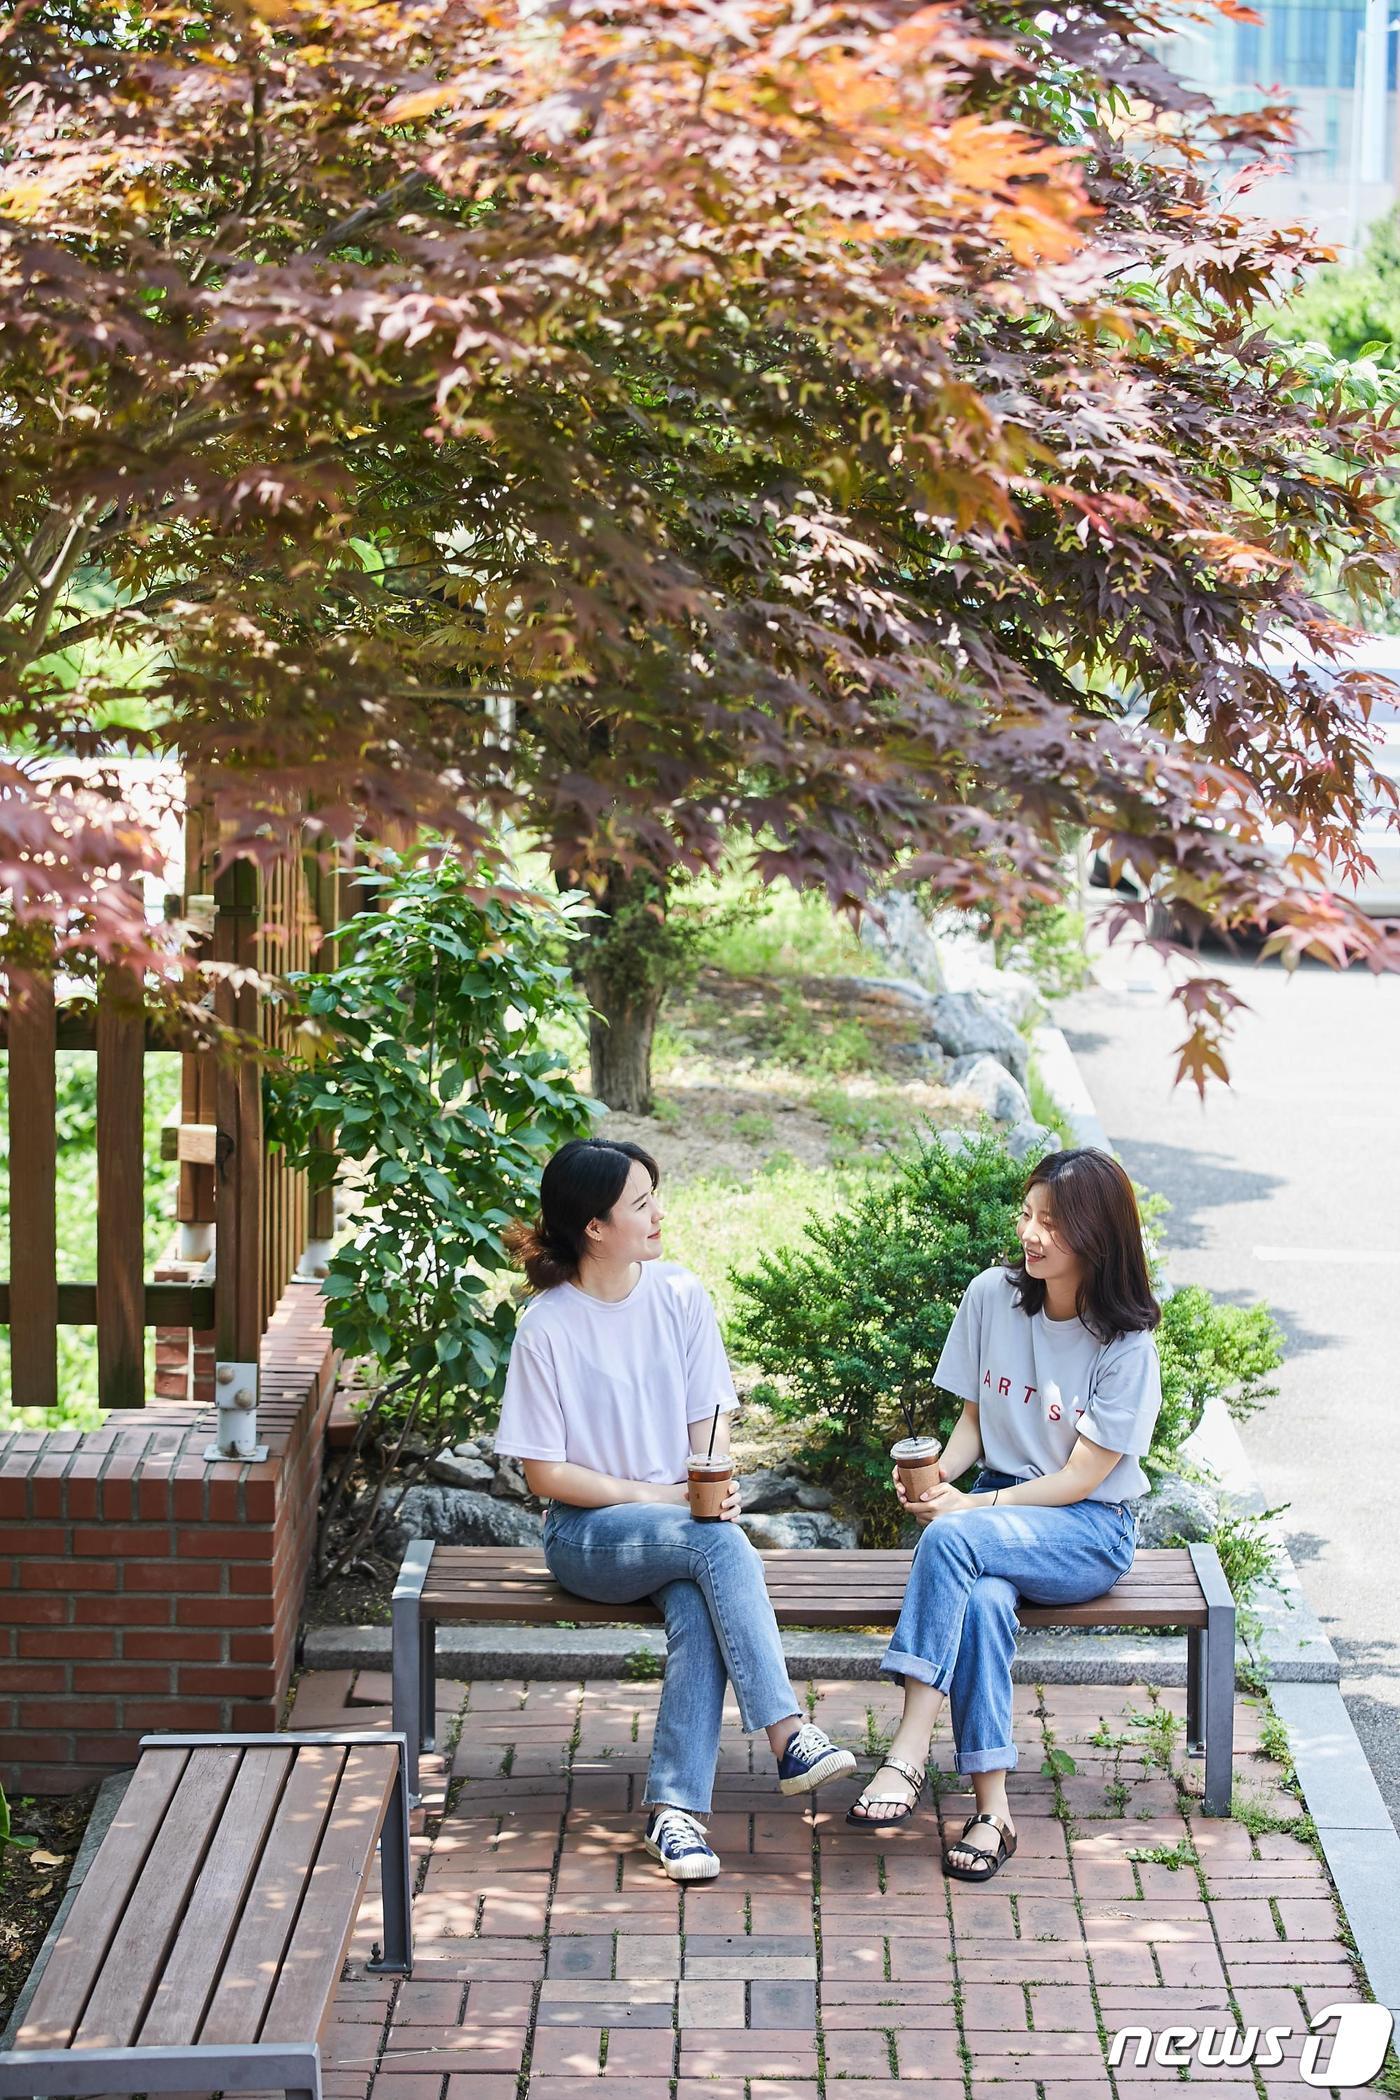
pixel 617 1372
pixel 1057 1370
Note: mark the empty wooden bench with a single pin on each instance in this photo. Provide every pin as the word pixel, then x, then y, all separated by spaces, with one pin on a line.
pixel 471 1585
pixel 206 1941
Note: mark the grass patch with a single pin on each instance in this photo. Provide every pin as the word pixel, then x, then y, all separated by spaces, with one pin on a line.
pixel 722 1224
pixel 792 935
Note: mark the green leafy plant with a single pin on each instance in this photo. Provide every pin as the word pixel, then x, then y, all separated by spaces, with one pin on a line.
pixel 8 1835
pixel 1208 1350
pixel 848 1323
pixel 1247 1553
pixel 1173 1857
pixel 643 1666
pixel 425 1069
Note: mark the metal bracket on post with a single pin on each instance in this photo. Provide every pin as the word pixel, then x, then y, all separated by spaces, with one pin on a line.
pixel 236 1396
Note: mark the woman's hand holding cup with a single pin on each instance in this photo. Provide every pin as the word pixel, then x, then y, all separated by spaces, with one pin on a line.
pixel 919 1508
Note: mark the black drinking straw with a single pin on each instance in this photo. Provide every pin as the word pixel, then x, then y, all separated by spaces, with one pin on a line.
pixel 713 1427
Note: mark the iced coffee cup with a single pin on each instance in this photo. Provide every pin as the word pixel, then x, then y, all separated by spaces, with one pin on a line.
pixel 710 1475
pixel 916 1458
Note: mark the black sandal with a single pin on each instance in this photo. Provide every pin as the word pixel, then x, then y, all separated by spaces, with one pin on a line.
pixel 901 1811
pixel 994 1861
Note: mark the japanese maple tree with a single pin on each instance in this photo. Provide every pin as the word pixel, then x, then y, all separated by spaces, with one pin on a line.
pixel 666 420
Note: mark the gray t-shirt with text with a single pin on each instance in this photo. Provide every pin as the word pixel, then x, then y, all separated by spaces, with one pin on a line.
pixel 1040 1383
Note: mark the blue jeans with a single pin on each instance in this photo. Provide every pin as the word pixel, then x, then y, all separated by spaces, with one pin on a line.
pixel 707 1580
pixel 957 1628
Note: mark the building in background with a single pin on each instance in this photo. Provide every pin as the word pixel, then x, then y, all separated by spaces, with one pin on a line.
pixel 1336 63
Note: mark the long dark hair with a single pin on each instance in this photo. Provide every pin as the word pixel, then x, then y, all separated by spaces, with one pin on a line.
pixel 1094 1213
pixel 582 1182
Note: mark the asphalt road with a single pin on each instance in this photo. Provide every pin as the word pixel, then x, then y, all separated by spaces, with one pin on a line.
pixel 1285 1188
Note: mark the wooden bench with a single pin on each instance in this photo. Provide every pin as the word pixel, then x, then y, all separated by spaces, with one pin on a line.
pixel 471 1585
pixel 206 1941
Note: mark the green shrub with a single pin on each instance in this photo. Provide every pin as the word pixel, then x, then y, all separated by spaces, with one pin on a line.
pixel 848 1324
pixel 428 1073
pixel 1208 1350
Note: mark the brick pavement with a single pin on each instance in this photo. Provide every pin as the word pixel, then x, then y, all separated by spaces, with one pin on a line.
pixel 553 1960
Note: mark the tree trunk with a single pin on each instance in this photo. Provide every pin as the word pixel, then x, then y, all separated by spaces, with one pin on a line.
pixel 619 1041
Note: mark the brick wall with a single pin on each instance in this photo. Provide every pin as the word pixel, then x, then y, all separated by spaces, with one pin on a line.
pixel 143 1589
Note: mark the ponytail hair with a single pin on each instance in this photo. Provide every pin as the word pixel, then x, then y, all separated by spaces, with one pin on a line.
pixel 580 1183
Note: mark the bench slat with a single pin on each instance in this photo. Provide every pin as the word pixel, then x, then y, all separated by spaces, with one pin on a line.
pixel 73 1967
pixel 324 1926
pixel 253 1961
pixel 137 1955
pixel 196 1960
pixel 827 1588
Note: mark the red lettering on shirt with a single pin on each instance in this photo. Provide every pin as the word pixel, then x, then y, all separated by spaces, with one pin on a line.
pixel 1079 1411
pixel 1003 1385
pixel 1030 1393
pixel 1054 1413
pixel 986 1378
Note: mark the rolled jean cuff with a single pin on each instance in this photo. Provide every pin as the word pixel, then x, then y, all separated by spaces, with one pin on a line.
pixel 987 1760
pixel 895 1663
pixel 652 1800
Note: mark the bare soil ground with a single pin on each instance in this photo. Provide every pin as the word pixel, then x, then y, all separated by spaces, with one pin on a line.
pixel 33 1878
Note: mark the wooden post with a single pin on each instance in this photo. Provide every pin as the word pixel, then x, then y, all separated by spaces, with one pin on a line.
pixel 121 1254
pixel 33 1197
pixel 238 1307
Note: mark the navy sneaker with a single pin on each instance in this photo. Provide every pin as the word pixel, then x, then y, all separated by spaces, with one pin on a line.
pixel 810 1759
pixel 680 1843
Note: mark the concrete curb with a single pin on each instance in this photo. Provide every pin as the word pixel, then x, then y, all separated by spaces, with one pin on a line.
pixel 109 1795
pixel 466 1653
pixel 1059 1068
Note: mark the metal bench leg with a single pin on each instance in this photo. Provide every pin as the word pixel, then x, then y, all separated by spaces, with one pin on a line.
pixel 427 1681
pixel 394 1879
pixel 406 1633
pixel 1219 1680
pixel 1195 1686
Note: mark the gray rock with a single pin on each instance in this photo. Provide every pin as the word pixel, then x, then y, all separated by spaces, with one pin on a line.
pixel 484 1445
pixel 510 1480
pixel 927 1059
pixel 462 1517
pixel 985 1082
pixel 798 1528
pixel 810 1496
pixel 903 937
pixel 963 1023
pixel 461 1468
pixel 770 1489
pixel 1177 1509
pixel 1031 1140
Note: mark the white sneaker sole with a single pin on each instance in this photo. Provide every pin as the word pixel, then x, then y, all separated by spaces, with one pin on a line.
pixel 697 1869
pixel 837 1764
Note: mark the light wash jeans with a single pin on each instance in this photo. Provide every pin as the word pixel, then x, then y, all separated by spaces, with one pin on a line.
pixel 957 1628
pixel 707 1580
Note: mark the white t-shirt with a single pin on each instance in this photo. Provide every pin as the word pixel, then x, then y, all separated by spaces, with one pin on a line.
pixel 615 1385
pixel 1040 1383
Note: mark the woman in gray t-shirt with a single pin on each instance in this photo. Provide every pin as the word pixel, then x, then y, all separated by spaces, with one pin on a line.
pixel 1057 1370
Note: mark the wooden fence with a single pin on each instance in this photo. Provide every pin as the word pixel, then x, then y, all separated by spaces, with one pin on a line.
pixel 261 1214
